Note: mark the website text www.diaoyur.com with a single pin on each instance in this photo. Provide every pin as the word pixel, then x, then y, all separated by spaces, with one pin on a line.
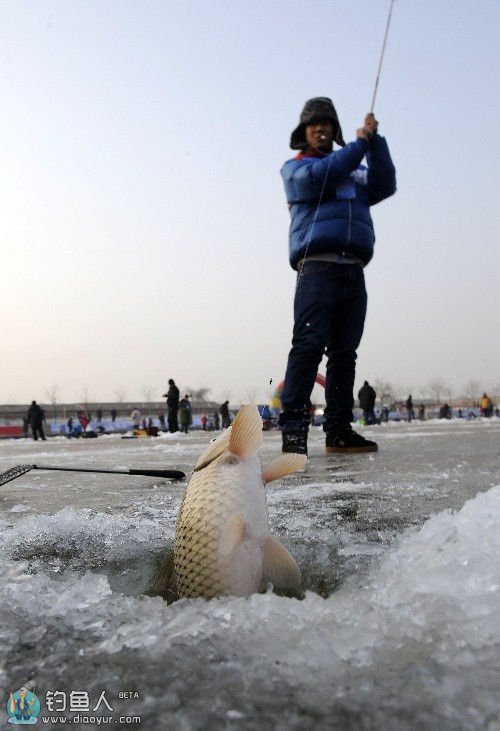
pixel 94 720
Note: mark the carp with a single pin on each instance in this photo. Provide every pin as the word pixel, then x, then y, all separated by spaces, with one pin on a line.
pixel 223 545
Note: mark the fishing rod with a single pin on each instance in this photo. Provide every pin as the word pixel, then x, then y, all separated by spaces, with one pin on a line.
pixel 382 55
pixel 384 43
pixel 15 472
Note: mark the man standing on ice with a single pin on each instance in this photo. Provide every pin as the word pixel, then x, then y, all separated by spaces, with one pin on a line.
pixel 172 397
pixel 35 418
pixel 329 194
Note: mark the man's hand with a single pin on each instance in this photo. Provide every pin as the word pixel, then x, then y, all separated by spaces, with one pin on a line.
pixel 369 127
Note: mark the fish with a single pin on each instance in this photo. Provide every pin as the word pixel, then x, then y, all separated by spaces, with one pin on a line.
pixel 223 544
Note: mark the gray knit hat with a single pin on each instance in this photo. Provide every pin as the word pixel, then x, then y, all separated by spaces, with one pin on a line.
pixel 321 107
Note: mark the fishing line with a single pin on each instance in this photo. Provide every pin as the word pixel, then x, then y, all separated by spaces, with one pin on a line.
pixel 382 55
pixel 320 200
pixel 313 222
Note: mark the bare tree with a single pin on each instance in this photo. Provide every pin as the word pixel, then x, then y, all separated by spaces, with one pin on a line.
pixel 472 390
pixel 202 393
pixel 85 395
pixel 403 391
pixel 147 392
pixel 251 394
pixel 52 395
pixel 121 395
pixel 384 389
pixel 419 393
pixel 436 388
pixel 448 393
pixel 198 394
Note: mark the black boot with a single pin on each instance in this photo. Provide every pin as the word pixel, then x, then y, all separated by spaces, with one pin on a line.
pixel 348 441
pixel 295 441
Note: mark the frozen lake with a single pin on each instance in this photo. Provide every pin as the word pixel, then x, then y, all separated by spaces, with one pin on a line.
pixel 400 558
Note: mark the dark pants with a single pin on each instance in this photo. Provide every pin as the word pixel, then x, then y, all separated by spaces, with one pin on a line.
pixel 329 311
pixel 37 429
pixel 173 426
pixel 369 416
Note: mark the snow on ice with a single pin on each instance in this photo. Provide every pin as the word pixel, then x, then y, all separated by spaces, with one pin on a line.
pixel 398 627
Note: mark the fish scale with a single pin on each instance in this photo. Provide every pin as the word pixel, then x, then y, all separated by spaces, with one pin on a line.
pixel 223 545
pixel 199 568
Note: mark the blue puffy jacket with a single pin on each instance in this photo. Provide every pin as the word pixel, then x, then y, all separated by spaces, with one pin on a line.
pixel 344 190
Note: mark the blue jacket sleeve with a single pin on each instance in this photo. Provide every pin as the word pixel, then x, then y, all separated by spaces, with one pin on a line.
pixel 381 170
pixel 304 179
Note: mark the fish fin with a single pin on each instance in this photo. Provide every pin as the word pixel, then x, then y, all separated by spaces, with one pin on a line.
pixel 246 434
pixel 278 565
pixel 216 447
pixel 233 534
pixel 165 583
pixel 283 465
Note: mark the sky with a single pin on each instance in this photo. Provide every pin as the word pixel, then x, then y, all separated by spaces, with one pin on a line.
pixel 143 225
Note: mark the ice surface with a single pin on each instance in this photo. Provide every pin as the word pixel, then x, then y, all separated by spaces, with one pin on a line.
pixel 405 548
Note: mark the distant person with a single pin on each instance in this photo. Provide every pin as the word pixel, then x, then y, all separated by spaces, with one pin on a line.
pixel 69 425
pixel 185 415
pixel 486 406
pixel 114 414
pixel 367 396
pixel 409 408
pixel 421 412
pixel 84 418
pixel 216 420
pixel 136 417
pixel 204 420
pixel 329 194
pixel 99 415
pixel 267 420
pixel 445 412
pixel 172 397
pixel 225 417
pixel 161 419
pixel 35 417
pixel 26 424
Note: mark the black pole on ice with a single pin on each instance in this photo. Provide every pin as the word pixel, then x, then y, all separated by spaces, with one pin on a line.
pixel 22 469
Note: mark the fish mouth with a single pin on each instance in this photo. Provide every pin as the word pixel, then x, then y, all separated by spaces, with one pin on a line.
pixel 214 450
pixel 204 465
